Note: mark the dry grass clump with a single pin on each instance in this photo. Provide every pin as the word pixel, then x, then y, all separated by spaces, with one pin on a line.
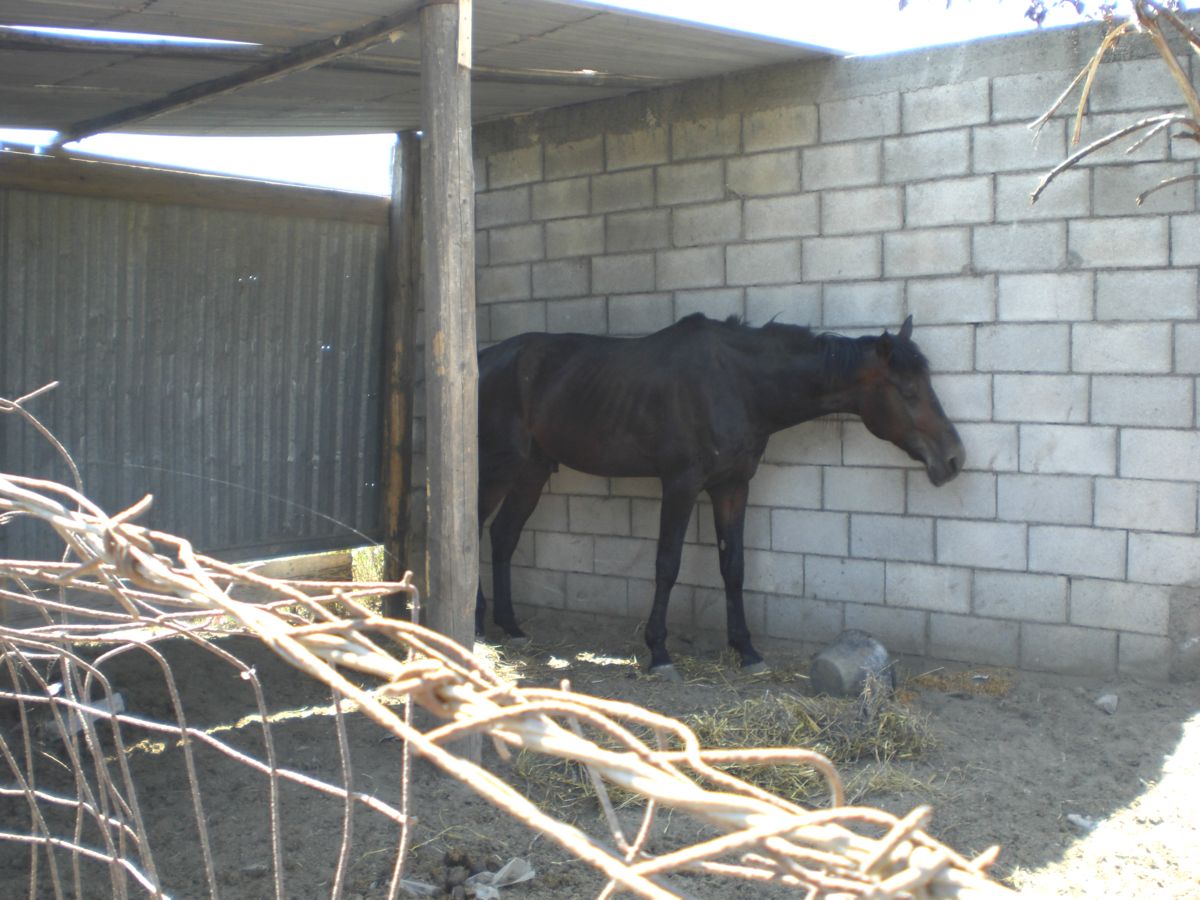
pixel 975 682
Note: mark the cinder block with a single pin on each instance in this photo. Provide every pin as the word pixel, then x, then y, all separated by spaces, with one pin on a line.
pixel 1132 84
pixel 1027 96
pixel 507 207
pixel 496 283
pixel 772 129
pixel 1185 240
pixel 693 182
pixel 635 314
pixel 1041 398
pixel 543 588
pixel 1069 196
pixel 900 630
pixel 1011 148
pixel 571 481
pixel 1154 401
pixel 946 106
pixel 872 305
pixel 1032 247
pixel 922 157
pixel 939 588
pixel 1117 188
pixel 586 315
pixel 1120 605
pixel 511 167
pixel 813 443
pixel 841 166
pixel 949 348
pixel 582 157
pixel 864 490
pixel 561 199
pixel 706 223
pixel 599 515
pixel 1019 595
pixel 938 301
pixel 1144 656
pixel 763 262
pixel 973 640
pixel 906 538
pixel 623 190
pixel 874 115
pixel 549 515
pixel 1068 550
pixel 990 447
pixel 508 319
pixel 643 230
pixel 516 243
pixel 1160 454
pixel 565 552
pixel 1045 296
pixel 627 273
pixel 764 174
pixel 861 448
pixel 1050 499
pixel 710 610
pixel 842 258
pixel 985 545
pixel 1187 348
pixel 1068 449
pixel 706 137
pixel 795 304
pixel 1022 348
pixel 646 147
pixel 690 268
pixel 932 251
pixel 599 594
pixel 787 486
pixel 852 580
pixel 756 533
pixel 955 201
pixel 1163 559
pixel 622 556
pixel 1136 243
pixel 700 566
pixel 972 495
pixel 809 531
pixel 870 209
pixel 782 217
pixel 772 572
pixel 1166 294
pixel 1113 349
pixel 803 619
pixel 575 237
pixel 965 397
pixel 1068 650
pixel 561 278
pixel 716 303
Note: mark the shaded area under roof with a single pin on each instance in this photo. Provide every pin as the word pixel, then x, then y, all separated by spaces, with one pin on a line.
pixel 528 54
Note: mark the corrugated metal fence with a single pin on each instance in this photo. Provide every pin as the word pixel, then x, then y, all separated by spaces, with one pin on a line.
pixel 225 360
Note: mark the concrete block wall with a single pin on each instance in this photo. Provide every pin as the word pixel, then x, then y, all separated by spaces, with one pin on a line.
pixel 844 195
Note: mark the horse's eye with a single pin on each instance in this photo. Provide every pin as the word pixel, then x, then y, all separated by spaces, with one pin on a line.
pixel 907 391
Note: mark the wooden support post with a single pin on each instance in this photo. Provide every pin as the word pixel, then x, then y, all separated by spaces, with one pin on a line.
pixel 402 285
pixel 451 370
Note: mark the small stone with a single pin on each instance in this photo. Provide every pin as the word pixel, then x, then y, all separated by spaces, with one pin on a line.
pixel 1107 702
pixel 1081 824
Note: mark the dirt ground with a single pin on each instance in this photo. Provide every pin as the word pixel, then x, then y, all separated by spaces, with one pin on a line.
pixel 1013 763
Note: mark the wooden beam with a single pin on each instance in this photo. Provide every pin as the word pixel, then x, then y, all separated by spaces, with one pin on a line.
pixel 63 174
pixel 451 370
pixel 402 291
pixel 303 57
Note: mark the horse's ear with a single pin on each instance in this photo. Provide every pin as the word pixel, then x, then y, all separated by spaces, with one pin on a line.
pixel 906 329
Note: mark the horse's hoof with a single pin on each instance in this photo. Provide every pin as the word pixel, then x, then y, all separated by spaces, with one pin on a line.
pixel 755 668
pixel 518 640
pixel 666 673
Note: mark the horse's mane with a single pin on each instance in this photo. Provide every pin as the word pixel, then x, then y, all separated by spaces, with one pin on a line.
pixel 840 356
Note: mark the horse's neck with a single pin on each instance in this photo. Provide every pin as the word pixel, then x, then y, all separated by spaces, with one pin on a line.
pixel 799 386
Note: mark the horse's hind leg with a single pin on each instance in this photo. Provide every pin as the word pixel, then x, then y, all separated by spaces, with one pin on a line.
pixel 491 494
pixel 518 506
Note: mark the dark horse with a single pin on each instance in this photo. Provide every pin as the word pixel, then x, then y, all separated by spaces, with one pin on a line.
pixel 692 405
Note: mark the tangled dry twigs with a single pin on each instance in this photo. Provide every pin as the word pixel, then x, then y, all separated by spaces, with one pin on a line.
pixel 162 588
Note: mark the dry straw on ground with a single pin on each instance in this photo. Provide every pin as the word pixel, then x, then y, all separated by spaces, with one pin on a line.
pixel 160 588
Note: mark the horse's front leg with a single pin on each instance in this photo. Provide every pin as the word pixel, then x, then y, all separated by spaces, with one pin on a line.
pixel 729 517
pixel 506 530
pixel 678 499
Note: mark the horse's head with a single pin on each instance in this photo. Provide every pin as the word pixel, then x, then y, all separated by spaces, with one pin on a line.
pixel 897 404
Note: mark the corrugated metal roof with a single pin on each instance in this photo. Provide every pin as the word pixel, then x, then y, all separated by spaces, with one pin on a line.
pixel 528 54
